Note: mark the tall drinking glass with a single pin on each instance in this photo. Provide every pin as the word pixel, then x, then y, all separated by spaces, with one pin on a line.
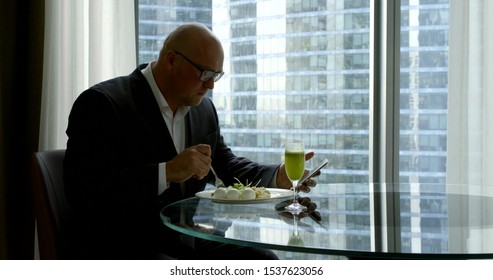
pixel 294 160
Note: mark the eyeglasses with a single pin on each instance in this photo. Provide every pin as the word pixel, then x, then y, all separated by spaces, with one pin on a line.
pixel 205 75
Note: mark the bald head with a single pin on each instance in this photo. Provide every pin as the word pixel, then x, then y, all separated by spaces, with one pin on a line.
pixel 188 52
pixel 191 38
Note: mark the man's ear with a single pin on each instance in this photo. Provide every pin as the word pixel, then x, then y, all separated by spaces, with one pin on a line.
pixel 170 58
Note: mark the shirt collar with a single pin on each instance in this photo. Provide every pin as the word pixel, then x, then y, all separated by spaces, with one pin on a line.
pixel 163 105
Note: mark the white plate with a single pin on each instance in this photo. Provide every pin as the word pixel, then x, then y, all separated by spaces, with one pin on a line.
pixel 274 194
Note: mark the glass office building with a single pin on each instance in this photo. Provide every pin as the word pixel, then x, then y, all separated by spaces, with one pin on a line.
pixel 423 119
pixel 301 68
pixel 424 87
pixel 157 18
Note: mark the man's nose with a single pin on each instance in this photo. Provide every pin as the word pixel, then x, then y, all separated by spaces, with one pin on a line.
pixel 209 84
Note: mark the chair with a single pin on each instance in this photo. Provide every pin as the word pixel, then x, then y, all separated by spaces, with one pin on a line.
pixel 50 204
pixel 52 211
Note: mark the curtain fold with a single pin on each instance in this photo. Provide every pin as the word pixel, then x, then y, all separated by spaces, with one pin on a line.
pixel 470 125
pixel 86 42
pixel 470 119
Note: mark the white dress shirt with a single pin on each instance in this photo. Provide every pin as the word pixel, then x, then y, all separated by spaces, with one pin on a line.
pixel 174 122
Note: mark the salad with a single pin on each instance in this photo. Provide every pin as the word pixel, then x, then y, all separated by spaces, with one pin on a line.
pixel 241 191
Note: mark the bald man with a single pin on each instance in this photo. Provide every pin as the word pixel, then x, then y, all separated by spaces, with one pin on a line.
pixel 139 142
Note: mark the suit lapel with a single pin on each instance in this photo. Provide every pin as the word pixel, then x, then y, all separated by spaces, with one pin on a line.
pixel 163 148
pixel 192 126
pixel 196 126
pixel 200 124
pixel 150 112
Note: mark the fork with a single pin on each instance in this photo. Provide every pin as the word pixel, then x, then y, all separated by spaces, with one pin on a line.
pixel 219 183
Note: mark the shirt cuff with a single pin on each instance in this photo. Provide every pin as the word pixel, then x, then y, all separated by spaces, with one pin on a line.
pixel 162 184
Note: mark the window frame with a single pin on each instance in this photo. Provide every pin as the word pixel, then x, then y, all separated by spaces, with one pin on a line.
pixel 384 119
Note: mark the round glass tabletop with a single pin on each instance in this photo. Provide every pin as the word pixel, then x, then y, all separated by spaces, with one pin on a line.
pixel 354 220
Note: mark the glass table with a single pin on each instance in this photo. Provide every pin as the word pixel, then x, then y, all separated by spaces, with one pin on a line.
pixel 382 221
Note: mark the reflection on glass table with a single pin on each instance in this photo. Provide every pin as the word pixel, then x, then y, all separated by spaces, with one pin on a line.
pixel 353 220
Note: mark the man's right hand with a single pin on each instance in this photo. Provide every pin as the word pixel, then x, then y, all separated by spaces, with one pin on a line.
pixel 193 162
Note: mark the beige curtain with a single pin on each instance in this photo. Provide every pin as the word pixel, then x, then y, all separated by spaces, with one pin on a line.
pixel 86 42
pixel 470 118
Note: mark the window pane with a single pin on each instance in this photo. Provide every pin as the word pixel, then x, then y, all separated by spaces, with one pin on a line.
pixel 424 85
pixel 300 68
pixel 423 121
pixel 159 17
pixel 294 68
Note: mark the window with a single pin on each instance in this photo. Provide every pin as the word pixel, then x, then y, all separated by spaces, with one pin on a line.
pixel 303 68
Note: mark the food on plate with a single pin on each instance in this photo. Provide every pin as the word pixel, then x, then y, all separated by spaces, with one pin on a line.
pixel 248 193
pixel 220 193
pixel 241 191
pixel 232 193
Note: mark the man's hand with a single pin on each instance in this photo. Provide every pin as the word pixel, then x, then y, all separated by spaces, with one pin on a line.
pixel 283 181
pixel 193 162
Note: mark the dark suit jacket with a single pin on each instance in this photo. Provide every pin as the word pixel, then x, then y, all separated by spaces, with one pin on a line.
pixel 116 139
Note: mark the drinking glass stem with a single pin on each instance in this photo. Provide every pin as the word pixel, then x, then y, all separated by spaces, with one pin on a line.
pixel 295 184
pixel 295 207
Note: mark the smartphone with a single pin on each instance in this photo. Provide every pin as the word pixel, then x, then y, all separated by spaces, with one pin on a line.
pixel 313 171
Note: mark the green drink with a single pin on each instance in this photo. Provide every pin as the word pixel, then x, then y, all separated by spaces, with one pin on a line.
pixel 295 164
